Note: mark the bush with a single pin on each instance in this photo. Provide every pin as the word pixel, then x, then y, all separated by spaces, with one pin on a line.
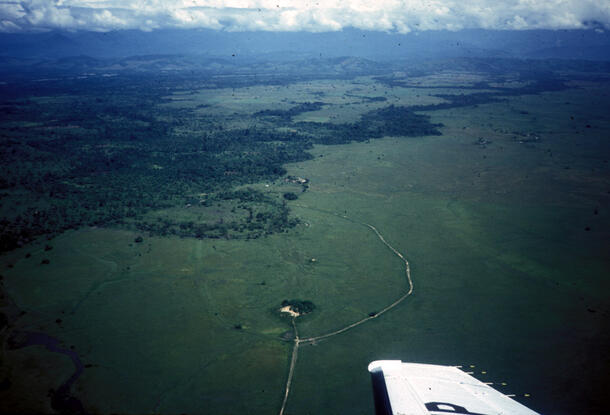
pixel 290 196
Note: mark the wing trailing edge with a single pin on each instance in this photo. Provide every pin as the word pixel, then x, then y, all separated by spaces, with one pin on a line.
pixel 418 389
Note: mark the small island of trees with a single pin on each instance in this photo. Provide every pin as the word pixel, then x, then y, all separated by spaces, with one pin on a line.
pixel 299 306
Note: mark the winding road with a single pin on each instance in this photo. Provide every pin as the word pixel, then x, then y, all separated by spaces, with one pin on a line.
pixel 311 340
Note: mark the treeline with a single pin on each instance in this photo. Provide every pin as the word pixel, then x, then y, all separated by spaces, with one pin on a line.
pixel 499 94
pixel 291 112
pixel 265 215
pixel 388 121
pixel 535 83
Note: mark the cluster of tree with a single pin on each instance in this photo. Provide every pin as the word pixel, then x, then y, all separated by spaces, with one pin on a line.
pixel 291 112
pixel 368 99
pixel 299 306
pixel 375 99
pixel 389 121
pixel 265 215
pixel 535 82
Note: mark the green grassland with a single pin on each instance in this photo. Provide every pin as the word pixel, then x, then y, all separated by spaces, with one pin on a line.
pixel 506 237
pixel 502 261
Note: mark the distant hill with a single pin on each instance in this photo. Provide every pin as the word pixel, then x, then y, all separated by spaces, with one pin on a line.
pixel 12 68
pixel 241 71
pixel 564 44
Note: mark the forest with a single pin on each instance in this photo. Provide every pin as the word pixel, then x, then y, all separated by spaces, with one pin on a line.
pixel 104 152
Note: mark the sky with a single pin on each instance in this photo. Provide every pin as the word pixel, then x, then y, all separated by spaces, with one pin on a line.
pixel 401 16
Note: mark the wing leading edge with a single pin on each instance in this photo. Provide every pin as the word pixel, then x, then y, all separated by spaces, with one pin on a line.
pixel 418 389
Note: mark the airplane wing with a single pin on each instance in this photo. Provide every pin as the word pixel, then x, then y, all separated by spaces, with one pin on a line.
pixel 416 389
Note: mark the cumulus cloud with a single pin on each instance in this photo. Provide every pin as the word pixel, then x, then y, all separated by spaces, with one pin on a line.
pixel 308 15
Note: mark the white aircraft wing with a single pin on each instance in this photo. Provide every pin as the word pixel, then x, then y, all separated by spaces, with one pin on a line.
pixel 417 389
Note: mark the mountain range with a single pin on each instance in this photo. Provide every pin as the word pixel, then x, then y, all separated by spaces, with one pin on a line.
pixel 379 46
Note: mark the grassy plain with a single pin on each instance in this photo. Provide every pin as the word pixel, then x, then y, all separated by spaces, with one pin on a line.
pixel 506 277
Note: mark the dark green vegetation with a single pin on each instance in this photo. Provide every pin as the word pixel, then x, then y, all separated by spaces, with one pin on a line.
pixel 296 110
pixel 290 196
pixel 104 152
pixel 388 121
pixel 105 156
pixel 299 306
pixel 101 151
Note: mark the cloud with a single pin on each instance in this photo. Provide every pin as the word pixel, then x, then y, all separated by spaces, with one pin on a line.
pixel 401 16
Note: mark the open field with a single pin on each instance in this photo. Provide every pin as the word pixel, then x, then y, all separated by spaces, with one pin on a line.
pixel 504 219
